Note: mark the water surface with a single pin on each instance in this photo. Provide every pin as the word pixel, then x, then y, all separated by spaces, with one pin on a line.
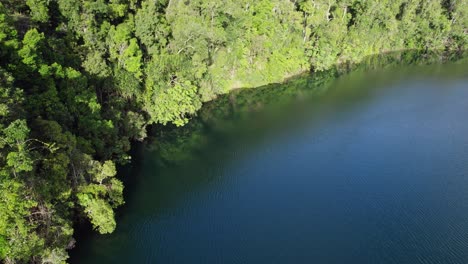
pixel 371 168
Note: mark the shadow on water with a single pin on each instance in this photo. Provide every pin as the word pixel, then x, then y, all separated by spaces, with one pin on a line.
pixel 254 114
pixel 247 118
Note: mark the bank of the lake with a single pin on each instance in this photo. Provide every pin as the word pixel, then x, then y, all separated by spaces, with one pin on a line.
pixel 368 168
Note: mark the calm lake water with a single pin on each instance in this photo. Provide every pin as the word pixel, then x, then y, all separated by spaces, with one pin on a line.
pixel 370 168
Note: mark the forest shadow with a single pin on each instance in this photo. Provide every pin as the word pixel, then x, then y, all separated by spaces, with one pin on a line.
pixel 245 103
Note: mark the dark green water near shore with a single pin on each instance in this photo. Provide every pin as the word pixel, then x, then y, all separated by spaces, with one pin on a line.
pixel 371 167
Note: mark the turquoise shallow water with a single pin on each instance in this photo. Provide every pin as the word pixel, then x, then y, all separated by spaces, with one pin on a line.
pixel 371 169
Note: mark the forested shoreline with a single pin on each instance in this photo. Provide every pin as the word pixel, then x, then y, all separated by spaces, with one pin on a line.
pixel 81 79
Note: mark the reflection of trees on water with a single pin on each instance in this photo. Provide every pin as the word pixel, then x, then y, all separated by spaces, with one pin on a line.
pixel 245 105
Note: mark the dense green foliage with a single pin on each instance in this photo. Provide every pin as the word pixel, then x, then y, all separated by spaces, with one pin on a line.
pixel 81 79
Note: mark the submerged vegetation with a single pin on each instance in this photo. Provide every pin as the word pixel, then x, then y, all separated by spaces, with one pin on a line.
pixel 81 79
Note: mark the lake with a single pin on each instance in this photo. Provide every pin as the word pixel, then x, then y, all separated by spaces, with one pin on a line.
pixel 370 167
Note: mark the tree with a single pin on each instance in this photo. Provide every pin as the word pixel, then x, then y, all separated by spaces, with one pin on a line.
pixel 15 136
pixel 31 50
pixel 124 49
pixel 39 10
pixel 174 104
pixel 93 197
